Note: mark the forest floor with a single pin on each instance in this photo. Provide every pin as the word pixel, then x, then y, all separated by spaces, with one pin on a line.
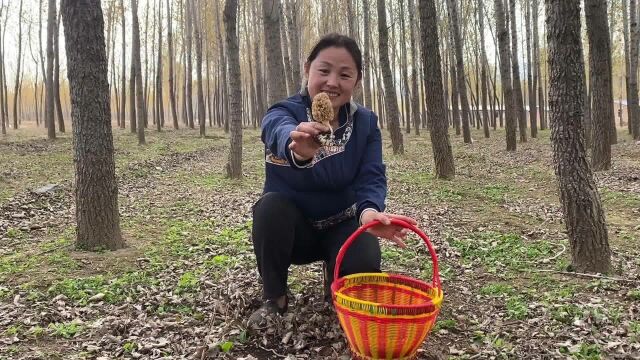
pixel 187 280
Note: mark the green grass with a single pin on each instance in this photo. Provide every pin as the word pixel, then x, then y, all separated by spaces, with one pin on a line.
pixel 65 330
pixel 617 199
pixel 497 289
pixel 498 252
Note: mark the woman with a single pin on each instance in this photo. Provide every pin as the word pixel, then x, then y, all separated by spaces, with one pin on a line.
pixel 317 193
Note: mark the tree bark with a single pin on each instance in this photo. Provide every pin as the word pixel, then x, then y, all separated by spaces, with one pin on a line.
pixel 413 46
pixel 96 188
pixel 123 80
pixel 584 215
pixel 172 89
pixel 515 65
pixel 393 114
pixel 234 166
pixel 600 72
pixel 483 71
pixel 18 74
pixel 276 88
pixel 531 83
pixel 442 153
pixel 138 73
pixel 461 77
pixel 198 39
pixel 627 64
pixel 538 74
pixel 159 98
pixel 189 65
pixel 505 74
pixel 51 19
pixel 367 57
pixel 56 77
pixel 294 35
pixel 634 119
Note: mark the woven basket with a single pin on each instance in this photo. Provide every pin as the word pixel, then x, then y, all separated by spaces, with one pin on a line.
pixel 386 316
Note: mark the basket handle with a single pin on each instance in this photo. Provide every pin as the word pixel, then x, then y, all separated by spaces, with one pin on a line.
pixel 404 224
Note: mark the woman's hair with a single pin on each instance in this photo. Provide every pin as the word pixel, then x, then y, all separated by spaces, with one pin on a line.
pixel 339 41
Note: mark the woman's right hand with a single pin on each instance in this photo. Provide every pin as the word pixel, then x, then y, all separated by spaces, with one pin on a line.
pixel 304 139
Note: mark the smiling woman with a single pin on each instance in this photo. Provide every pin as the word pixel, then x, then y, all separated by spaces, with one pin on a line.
pixel 317 192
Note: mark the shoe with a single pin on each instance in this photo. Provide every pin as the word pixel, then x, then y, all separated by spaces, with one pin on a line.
pixel 269 308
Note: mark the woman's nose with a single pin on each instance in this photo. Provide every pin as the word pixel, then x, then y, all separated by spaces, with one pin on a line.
pixel 332 80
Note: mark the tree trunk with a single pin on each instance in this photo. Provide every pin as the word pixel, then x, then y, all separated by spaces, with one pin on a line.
pixel 294 34
pixel 406 96
pixel 462 87
pixel 634 119
pixel 531 83
pixel 159 99
pixel 189 65
pixel 196 19
pixel 627 64
pixel 276 88
pixel 413 46
pixel 537 75
pixel 286 59
pixel 19 62
pixel 133 118
pixel 505 74
pixel 393 114
pixel 123 80
pixel 515 65
pixel 483 71
pixel 234 166
pixel 600 72
pixel 56 77
pixel 3 119
pixel 584 215
pixel 442 153
pixel 367 57
pixel 96 188
pixel 51 25
pixel 455 93
pixel 261 107
pixel 138 73
pixel 172 89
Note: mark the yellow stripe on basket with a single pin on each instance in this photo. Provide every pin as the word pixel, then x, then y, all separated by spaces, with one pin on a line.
pixel 374 309
pixel 411 333
pixel 357 334
pixel 372 332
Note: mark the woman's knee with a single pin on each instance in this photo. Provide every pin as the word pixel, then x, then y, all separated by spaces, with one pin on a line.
pixel 272 203
pixel 362 256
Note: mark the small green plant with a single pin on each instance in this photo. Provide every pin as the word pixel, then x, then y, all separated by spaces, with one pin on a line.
pixel 65 330
pixel 588 352
pixel 634 295
pixel 495 193
pixel 634 327
pixel 446 324
pixel 129 347
pixel 13 330
pixel 566 313
pixel 187 282
pixel 497 289
pixel 517 308
pixel 226 346
pixel 36 331
pixel 13 233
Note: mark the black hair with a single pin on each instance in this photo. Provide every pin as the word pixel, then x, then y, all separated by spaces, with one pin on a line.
pixel 339 41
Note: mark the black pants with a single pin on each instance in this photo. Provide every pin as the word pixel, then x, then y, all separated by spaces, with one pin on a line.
pixel 283 236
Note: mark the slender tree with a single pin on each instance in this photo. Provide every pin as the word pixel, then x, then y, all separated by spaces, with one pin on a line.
pixel 172 92
pixel 584 215
pixel 56 76
pixel 3 119
pixel 518 102
pixel 442 153
pixel 49 105
pixel 276 88
pixel 139 96
pixel 195 19
pixel 96 188
pixel 633 69
pixel 505 74
pixel 483 70
pixel 531 85
pixel 392 113
pixel 123 80
pixel 600 71
pixel 16 90
pixel 234 166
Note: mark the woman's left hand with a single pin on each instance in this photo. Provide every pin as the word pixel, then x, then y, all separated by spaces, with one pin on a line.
pixel 385 229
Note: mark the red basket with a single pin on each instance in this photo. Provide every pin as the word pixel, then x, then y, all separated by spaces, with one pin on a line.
pixel 386 316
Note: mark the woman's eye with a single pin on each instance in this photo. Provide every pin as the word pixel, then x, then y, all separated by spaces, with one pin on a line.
pixel 346 76
pixel 324 71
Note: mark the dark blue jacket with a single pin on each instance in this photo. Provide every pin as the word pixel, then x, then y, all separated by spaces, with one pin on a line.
pixel 342 179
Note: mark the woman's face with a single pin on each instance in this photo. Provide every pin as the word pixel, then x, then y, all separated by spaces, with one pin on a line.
pixel 334 72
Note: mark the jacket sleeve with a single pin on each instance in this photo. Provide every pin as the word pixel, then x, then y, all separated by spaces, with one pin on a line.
pixel 277 125
pixel 371 182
